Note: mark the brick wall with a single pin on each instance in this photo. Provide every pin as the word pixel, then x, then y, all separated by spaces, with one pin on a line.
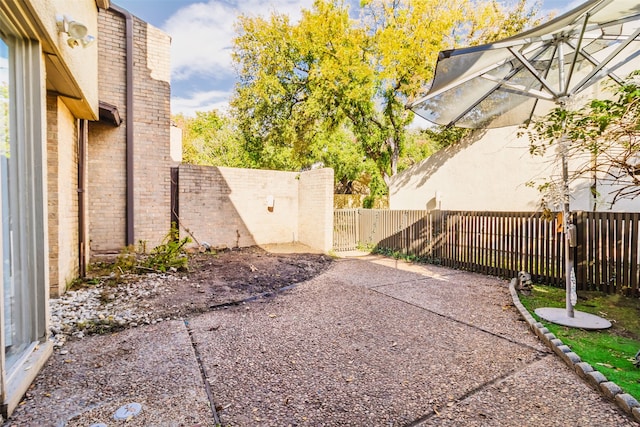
pixel 52 191
pixel 62 185
pixel 152 115
pixel 106 151
pixel 316 209
pixel 229 207
pixel 107 186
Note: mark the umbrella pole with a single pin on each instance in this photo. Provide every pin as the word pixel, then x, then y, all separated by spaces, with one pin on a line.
pixel 568 253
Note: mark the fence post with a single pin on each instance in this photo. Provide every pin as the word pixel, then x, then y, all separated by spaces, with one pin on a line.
pixel 438 235
pixel 579 254
pixel 357 226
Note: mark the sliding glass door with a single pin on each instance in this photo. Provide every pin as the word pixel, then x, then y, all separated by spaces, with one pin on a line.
pixel 21 195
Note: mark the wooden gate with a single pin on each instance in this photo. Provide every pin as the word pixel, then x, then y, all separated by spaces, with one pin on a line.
pixel 346 233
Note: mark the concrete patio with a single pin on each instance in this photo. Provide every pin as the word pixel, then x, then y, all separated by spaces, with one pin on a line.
pixel 373 341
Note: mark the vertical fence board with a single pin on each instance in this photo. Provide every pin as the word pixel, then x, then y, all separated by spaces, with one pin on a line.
pixel 626 245
pixel 580 249
pixel 618 229
pixel 610 252
pixel 634 283
pixel 591 251
pixel 599 253
pixel 545 226
pixel 558 255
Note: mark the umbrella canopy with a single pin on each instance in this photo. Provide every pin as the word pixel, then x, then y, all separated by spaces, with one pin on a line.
pixel 508 82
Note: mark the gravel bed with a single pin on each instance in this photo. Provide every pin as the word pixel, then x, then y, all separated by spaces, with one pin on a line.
pixel 107 308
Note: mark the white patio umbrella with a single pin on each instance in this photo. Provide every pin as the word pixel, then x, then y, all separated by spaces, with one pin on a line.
pixel 509 82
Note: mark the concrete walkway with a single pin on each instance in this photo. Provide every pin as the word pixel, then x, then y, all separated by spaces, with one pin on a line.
pixel 372 342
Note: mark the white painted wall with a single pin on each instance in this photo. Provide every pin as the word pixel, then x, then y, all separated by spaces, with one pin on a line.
pixel 489 171
pixel 175 144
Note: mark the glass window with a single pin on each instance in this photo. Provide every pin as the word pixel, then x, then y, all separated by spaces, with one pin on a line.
pixel 14 319
pixel 20 195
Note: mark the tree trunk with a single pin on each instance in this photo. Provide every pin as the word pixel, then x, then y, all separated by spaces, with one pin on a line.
pixel 394 149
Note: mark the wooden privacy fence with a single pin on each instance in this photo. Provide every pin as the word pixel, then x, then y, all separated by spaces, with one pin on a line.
pixel 503 243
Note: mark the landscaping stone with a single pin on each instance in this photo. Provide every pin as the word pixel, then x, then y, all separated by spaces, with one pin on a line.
pixel 627 402
pixel 582 369
pixel 610 389
pixel 595 378
pixel 571 358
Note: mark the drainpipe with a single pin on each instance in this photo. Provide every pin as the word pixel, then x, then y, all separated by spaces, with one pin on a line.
pixel 129 116
pixel 83 128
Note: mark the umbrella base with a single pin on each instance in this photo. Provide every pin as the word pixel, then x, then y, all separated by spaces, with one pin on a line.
pixel 580 320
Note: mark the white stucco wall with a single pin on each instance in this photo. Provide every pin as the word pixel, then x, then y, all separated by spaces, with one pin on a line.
pixel 77 66
pixel 176 144
pixel 482 174
pixel 489 172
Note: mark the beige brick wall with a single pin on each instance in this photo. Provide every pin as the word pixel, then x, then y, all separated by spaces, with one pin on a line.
pixel 230 207
pixel 106 151
pixel 316 209
pixel 107 187
pixel 158 54
pixel 152 115
pixel 52 191
pixel 62 185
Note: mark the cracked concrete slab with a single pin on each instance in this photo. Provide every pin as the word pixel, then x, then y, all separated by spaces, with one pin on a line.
pixel 154 366
pixel 338 354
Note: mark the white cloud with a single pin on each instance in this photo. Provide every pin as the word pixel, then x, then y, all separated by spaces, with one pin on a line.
pixel 201 101
pixel 202 34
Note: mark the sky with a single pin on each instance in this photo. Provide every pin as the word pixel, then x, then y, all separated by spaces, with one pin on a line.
pixel 202 31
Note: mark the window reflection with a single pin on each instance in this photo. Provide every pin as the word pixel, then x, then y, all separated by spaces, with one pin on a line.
pixel 13 327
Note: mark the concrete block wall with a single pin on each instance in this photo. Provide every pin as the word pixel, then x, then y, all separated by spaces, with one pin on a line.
pixel 316 209
pixel 229 207
pixel 107 187
pixel 62 185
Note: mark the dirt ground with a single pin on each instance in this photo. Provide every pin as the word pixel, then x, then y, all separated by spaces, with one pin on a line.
pixel 230 277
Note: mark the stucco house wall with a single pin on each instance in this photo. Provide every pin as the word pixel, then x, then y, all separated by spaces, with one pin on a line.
pixel 486 171
pixel 489 171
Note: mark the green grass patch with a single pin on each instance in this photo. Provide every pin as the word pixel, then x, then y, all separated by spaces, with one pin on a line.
pixel 609 351
pixel 396 254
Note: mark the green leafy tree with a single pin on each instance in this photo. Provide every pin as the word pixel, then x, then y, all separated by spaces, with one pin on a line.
pixel 605 133
pixel 211 138
pixel 422 143
pixel 496 21
pixel 291 80
pixel 299 84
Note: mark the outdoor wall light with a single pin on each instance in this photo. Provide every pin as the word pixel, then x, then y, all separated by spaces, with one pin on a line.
pixel 76 31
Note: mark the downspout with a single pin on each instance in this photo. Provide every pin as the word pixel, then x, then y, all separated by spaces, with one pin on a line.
pixel 83 128
pixel 129 116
